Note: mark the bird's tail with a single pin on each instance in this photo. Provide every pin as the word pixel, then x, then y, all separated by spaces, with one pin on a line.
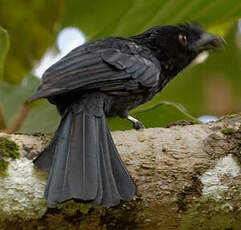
pixel 83 161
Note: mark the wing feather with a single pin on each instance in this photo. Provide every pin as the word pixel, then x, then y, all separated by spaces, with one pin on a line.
pixel 105 69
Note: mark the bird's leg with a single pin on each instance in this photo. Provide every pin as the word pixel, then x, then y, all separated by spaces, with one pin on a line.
pixel 136 124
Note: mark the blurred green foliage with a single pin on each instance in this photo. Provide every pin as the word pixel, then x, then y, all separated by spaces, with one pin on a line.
pixel 12 97
pixel 33 26
pixel 4 46
pixel 128 17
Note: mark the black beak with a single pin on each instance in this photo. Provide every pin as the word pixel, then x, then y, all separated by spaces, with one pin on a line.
pixel 208 42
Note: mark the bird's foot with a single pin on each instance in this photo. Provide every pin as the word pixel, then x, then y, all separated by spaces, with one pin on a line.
pixel 136 124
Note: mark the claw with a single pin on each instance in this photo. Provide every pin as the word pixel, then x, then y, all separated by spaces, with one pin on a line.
pixel 136 124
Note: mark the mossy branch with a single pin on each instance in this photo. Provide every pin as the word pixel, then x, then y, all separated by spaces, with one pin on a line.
pixel 188 177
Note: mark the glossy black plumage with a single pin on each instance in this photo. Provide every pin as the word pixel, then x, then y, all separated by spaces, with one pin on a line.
pixel 86 67
pixel 107 77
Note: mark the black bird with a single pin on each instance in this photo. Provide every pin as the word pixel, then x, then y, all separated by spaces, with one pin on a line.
pixel 107 77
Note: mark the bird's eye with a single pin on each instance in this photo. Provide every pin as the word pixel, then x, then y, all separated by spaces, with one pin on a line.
pixel 182 39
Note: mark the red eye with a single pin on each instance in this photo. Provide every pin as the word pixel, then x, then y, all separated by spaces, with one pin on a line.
pixel 183 39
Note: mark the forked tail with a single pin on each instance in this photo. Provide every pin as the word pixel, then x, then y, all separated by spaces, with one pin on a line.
pixel 83 160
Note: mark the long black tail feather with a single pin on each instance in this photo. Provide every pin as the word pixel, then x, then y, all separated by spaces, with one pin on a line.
pixel 85 163
pixel 44 160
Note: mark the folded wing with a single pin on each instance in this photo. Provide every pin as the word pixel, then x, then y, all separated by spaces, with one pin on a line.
pixel 103 68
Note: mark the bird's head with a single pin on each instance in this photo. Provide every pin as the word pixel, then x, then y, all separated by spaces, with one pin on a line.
pixel 180 43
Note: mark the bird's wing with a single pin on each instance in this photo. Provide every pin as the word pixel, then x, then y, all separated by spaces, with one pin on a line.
pixel 96 66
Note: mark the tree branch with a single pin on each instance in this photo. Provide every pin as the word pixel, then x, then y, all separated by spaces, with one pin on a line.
pixel 187 177
pixel 18 119
pixel 3 124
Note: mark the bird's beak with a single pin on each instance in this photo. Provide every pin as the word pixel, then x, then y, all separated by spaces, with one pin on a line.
pixel 208 42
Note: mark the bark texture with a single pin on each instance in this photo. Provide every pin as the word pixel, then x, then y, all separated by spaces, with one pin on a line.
pixel 188 177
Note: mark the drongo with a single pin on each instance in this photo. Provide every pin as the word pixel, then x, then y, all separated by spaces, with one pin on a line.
pixel 107 77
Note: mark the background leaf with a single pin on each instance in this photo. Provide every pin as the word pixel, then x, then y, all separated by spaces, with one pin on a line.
pixel 158 115
pixel 43 118
pixel 12 97
pixel 32 27
pixel 131 17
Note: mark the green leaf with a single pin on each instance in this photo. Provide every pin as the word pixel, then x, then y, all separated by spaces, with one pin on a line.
pixel 4 46
pixel 158 115
pixel 13 97
pixel 32 28
pixel 43 118
pixel 132 17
